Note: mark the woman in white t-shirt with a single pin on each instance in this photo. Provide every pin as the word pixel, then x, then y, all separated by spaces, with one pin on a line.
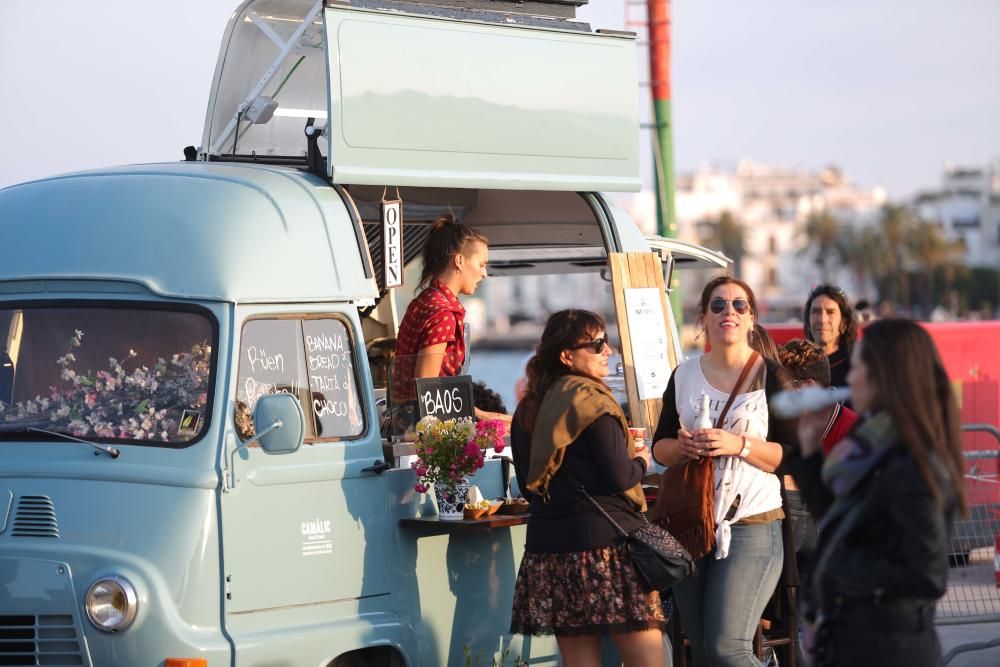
pixel 721 605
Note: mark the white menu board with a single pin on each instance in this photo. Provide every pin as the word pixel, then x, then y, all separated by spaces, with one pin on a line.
pixel 648 335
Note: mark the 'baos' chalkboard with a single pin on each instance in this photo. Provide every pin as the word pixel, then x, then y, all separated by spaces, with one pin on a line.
pixel 445 397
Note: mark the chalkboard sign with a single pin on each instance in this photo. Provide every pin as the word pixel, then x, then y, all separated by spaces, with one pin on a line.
pixel 445 397
pixel 311 359
pixel 329 364
pixel 270 361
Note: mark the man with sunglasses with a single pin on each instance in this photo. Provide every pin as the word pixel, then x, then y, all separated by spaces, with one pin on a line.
pixel 829 321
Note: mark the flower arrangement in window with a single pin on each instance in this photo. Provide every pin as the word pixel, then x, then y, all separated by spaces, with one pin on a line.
pixel 139 404
pixel 448 451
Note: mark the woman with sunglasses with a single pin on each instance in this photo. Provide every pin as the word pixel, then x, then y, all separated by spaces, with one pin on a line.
pixel 576 580
pixel 721 605
pixel 886 498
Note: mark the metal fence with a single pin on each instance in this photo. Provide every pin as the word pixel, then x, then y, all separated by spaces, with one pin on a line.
pixel 973 594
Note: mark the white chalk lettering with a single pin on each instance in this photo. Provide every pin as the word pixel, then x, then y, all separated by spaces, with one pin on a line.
pixel 447 401
pixel 323 407
pixel 325 343
pixel 254 390
pixel 259 358
pixel 324 383
pixel 324 362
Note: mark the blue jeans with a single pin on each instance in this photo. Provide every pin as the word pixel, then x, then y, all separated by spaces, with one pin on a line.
pixel 721 605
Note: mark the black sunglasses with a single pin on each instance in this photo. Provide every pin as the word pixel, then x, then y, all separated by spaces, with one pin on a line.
pixel 596 346
pixel 827 290
pixel 718 304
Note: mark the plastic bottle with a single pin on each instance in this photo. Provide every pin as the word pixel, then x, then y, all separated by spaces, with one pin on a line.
pixel 703 416
pixel 808 399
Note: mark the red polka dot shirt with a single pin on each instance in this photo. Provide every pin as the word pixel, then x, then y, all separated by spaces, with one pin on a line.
pixel 435 316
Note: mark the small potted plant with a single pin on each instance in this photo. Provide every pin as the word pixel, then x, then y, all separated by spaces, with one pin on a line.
pixel 449 451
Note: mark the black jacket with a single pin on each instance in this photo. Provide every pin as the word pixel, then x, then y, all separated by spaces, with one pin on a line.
pixel 568 522
pixel 884 545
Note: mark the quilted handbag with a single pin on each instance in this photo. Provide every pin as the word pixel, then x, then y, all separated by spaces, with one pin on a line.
pixel 659 558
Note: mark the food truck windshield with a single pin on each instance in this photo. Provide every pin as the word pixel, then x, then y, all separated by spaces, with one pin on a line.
pixel 138 374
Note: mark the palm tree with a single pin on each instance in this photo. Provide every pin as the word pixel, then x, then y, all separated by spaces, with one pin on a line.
pixel 865 253
pixel 931 251
pixel 826 242
pixel 729 236
pixel 895 223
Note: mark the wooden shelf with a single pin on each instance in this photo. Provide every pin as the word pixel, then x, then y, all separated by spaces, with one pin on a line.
pixel 433 525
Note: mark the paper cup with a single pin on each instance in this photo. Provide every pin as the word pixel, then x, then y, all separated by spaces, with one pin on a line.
pixel 638 436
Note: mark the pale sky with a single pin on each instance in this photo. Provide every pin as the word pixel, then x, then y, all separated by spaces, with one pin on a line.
pixel 889 90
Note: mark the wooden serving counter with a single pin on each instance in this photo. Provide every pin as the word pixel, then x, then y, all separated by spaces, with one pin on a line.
pixel 433 525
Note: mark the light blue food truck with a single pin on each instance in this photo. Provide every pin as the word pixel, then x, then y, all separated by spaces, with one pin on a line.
pixel 191 466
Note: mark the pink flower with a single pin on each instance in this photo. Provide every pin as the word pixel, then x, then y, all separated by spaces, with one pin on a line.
pixel 472 449
pixel 421 488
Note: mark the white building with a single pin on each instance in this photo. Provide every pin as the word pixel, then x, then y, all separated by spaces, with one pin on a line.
pixel 773 203
pixel 967 206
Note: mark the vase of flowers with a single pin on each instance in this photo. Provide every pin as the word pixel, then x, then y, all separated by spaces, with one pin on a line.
pixel 447 452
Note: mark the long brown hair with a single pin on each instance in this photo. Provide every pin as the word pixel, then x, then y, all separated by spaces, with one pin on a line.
pixel 906 371
pixel 448 237
pixel 849 335
pixel 564 329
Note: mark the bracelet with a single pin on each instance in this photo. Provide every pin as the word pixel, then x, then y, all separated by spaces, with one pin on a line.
pixel 745 452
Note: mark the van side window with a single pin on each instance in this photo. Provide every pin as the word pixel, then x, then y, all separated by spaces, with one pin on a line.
pixel 272 361
pixel 335 404
pixel 310 358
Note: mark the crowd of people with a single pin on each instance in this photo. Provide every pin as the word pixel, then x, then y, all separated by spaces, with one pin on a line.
pixel 855 500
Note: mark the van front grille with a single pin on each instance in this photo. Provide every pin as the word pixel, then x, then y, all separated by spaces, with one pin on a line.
pixel 35 516
pixel 49 639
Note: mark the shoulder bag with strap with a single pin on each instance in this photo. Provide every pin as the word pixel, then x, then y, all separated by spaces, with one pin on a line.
pixel 660 560
pixel 685 502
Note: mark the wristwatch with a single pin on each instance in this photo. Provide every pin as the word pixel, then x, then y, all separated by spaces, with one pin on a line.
pixel 745 452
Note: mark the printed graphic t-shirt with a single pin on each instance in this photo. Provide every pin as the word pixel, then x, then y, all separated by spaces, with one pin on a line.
pixel 758 491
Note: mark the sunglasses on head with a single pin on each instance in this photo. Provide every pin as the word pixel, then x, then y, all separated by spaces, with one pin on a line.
pixel 718 304
pixel 825 290
pixel 596 346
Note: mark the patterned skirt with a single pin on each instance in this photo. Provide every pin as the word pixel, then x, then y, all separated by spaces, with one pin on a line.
pixel 583 593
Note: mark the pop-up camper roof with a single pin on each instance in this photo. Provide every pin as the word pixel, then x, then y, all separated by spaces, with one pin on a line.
pixel 422 94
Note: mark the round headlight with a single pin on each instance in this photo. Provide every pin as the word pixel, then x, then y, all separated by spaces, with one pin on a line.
pixel 111 604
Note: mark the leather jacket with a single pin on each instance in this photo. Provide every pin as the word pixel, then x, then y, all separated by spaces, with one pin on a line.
pixel 884 544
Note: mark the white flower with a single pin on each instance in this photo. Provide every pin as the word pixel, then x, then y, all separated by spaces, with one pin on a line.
pixel 426 423
pixel 465 428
